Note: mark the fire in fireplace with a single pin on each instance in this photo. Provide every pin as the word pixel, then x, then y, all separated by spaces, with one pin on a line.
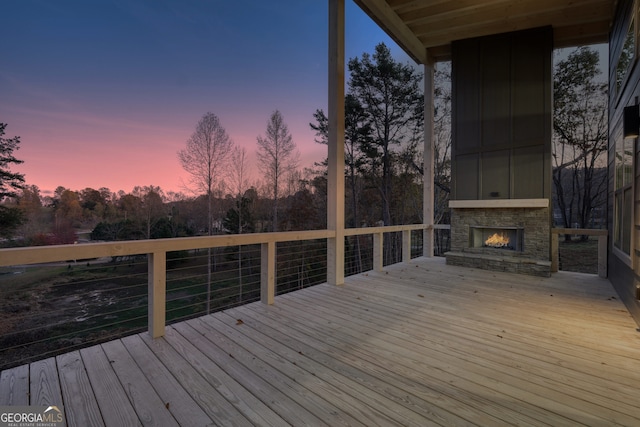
pixel 507 238
pixel 497 240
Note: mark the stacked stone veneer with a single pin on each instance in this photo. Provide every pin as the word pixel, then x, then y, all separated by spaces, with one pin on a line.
pixel 535 256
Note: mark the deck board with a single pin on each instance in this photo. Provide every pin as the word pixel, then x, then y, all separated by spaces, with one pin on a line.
pixel 420 343
pixel 314 379
pixel 80 405
pixel 14 386
pixel 178 400
pixel 44 383
pixel 359 372
pixel 503 380
pixel 115 407
pixel 424 368
pixel 448 341
pixel 263 392
pixel 148 406
pixel 193 378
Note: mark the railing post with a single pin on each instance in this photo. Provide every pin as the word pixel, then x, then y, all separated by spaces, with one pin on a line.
pixel 378 251
pixel 602 256
pixel 406 245
pixel 157 280
pixel 268 272
pixel 555 255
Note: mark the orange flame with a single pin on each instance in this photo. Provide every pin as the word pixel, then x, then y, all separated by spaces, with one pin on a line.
pixel 497 241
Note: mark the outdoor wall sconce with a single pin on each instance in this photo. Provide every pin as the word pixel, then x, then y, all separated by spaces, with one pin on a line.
pixel 631 121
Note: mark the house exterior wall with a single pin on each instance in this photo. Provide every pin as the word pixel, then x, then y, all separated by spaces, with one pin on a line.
pixel 624 90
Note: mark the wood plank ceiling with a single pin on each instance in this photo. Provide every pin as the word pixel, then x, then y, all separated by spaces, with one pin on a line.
pixel 422 26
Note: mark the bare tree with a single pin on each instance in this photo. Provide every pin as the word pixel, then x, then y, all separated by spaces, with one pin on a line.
pixel 205 159
pixel 442 145
pixel 580 138
pixel 277 157
pixel 239 176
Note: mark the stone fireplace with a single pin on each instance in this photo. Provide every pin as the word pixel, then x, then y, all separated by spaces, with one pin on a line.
pixel 501 152
pixel 511 235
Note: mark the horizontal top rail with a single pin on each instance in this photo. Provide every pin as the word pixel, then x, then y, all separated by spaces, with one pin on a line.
pixel 499 203
pixel 56 253
pixel 442 226
pixel 581 231
pixel 384 229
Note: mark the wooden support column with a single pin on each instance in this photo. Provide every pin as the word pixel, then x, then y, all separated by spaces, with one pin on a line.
pixel 157 280
pixel 335 191
pixel 268 272
pixel 429 140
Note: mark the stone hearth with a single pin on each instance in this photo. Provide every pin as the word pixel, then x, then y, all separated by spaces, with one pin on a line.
pixel 526 219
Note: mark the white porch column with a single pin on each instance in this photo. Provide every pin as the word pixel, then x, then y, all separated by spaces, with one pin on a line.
pixel 335 191
pixel 429 140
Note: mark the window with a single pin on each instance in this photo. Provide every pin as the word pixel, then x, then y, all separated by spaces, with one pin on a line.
pixel 623 196
pixel 627 55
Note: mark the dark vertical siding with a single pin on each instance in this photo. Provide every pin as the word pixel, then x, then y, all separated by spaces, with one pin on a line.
pixel 526 163
pixel 620 273
pixel 502 116
pixel 495 69
pixel 529 126
pixel 468 172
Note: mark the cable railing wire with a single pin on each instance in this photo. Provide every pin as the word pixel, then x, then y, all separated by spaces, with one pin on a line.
pixel 51 309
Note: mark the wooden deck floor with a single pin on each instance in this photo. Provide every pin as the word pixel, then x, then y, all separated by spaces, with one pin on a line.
pixel 418 344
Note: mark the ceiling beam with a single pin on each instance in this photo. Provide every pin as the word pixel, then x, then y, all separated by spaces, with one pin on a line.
pixel 389 21
pixel 426 28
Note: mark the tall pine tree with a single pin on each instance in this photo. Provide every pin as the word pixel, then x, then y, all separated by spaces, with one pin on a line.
pixel 10 183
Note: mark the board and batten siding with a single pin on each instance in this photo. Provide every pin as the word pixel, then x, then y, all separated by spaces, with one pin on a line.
pixel 502 116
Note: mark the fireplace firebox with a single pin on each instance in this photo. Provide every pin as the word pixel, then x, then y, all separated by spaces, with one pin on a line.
pixel 502 238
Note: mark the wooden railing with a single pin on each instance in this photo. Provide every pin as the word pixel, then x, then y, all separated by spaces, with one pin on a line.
pixel 602 246
pixel 156 251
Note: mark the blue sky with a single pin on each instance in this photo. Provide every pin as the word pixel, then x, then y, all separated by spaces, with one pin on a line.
pixel 103 93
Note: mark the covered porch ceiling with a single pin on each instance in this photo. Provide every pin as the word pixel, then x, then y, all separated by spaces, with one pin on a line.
pixel 426 28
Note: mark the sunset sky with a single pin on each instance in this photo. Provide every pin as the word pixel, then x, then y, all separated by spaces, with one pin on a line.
pixel 103 93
